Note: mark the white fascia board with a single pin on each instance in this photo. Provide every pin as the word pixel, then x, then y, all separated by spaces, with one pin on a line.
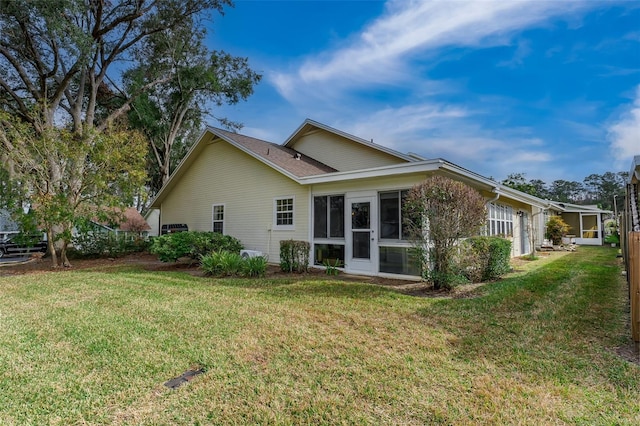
pixel 213 131
pixel 393 170
pixel 348 136
pixel 498 188
pixel 160 194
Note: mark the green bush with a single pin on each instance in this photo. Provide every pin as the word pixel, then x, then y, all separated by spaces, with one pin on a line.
pixel 95 244
pixel 193 244
pixel 556 229
pixel 294 256
pixel 224 263
pixel 254 266
pixel 486 258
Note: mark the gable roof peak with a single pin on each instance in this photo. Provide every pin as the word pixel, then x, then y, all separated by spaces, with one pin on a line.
pixel 309 125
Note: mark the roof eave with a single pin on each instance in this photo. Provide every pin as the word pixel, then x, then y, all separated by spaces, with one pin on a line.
pixel 157 200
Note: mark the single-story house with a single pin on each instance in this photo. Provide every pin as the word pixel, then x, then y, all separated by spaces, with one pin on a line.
pixel 131 222
pixel 342 193
pixel 586 222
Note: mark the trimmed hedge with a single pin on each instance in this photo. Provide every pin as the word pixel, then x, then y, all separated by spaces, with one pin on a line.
pixel 294 256
pixel 192 244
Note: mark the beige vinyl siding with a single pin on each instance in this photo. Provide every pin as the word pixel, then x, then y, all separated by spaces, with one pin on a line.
pixel 222 174
pixel 370 184
pixel 341 153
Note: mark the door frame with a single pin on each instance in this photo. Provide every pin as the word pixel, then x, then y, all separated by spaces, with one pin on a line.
pixel 361 266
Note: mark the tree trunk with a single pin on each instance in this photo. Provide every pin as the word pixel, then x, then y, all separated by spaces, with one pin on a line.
pixel 52 247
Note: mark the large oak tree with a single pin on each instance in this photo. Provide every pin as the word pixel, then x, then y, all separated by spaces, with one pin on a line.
pixel 60 62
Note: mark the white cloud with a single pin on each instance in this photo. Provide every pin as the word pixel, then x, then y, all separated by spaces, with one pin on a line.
pixel 437 130
pixel 382 52
pixel 624 132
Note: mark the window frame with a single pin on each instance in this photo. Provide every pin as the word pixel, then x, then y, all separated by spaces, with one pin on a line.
pixel 284 227
pixel 402 194
pixel 328 221
pixel 213 217
pixel 500 220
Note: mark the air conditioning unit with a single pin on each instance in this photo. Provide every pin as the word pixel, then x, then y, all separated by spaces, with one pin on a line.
pixel 250 253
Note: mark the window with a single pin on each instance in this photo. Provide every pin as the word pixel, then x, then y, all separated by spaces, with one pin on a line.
pixel 500 220
pixel 399 260
pixel 391 220
pixel 218 218
pixel 284 213
pixel 329 253
pixel 328 216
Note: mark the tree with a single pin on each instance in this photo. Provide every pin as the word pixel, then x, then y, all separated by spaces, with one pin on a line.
pixel 171 112
pixel 534 187
pixel 56 93
pixel 111 170
pixel 566 191
pixel 440 211
pixel 556 229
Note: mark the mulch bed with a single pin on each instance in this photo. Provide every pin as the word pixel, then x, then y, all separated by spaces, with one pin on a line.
pixel 151 263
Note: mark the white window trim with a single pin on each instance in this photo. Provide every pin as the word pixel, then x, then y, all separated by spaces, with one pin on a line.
pixel 291 227
pixel 224 216
pixel 502 216
pixel 328 239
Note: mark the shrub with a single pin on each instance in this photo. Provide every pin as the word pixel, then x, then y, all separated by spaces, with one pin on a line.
pixel 94 244
pixel 294 256
pixel 486 258
pixel 193 244
pixel 450 210
pixel 254 266
pixel 224 263
pixel 556 229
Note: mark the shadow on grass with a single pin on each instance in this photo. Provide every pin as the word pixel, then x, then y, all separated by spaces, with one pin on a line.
pixel 292 288
pixel 562 320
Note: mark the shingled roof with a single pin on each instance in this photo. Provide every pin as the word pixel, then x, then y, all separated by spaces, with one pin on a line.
pixel 286 158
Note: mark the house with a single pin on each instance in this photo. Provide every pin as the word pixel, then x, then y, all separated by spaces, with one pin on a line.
pixel 152 217
pixel 586 222
pixel 341 193
pixel 130 222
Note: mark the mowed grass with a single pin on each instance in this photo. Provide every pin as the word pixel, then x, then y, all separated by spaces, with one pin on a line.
pixel 95 347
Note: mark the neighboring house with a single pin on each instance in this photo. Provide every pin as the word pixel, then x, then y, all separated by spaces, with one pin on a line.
pixel 152 217
pixel 632 204
pixel 586 222
pixel 341 193
pixel 132 224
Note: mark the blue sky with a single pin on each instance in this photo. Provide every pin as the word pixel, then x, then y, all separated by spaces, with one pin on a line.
pixel 546 88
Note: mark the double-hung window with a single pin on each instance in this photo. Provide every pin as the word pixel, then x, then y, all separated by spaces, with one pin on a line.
pixel 284 213
pixel 218 218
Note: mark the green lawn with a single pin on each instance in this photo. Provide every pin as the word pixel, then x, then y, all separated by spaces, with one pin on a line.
pixel 95 347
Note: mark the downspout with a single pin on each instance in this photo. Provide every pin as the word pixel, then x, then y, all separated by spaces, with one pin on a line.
pixel 495 191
